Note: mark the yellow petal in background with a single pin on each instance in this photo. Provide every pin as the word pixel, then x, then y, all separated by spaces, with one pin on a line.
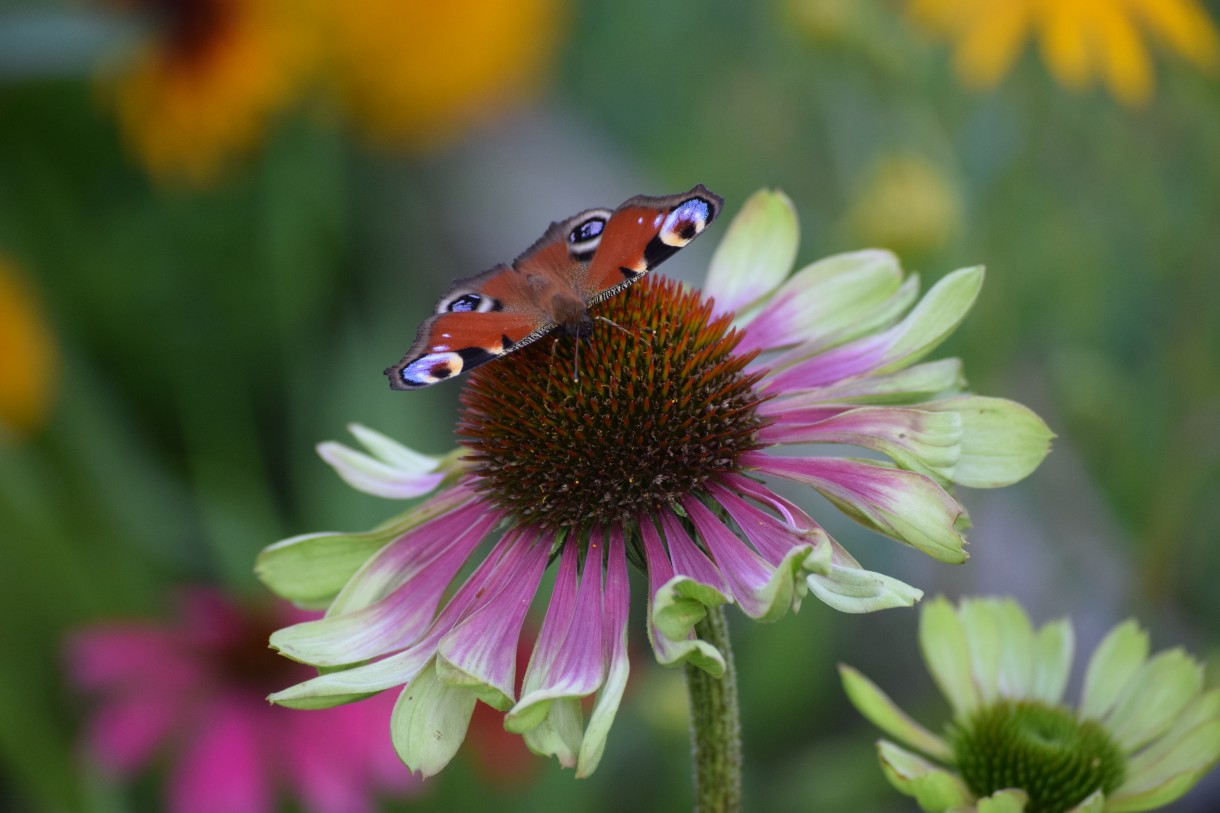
pixel 417 73
pixel 989 47
pixel 27 357
pixel 1185 28
pixel 1124 60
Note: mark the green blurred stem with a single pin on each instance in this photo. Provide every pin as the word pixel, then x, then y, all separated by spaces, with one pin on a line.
pixel 715 724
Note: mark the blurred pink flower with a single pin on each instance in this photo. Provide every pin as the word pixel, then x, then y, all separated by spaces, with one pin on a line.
pixel 193 689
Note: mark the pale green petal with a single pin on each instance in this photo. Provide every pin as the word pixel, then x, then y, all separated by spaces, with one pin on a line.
pixel 559 734
pixel 602 716
pixel 1010 800
pixel 1054 646
pixel 1017 656
pixel 672 653
pixel 1115 661
pixel 756 253
pixel 1154 797
pixel 1190 755
pixel 1002 441
pixel 912 385
pixel 980 618
pixel 1156 695
pixel 882 712
pixel 347 685
pixel 936 316
pixel 835 300
pixel 934 788
pixel 311 569
pixel 681 603
pixel 942 639
pixel 393 452
pixel 430 721
pixel 1193 743
pixel 1095 802
pixel 852 589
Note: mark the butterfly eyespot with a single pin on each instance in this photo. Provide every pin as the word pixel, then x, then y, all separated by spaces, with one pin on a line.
pixel 685 222
pixel 587 230
pixel 468 303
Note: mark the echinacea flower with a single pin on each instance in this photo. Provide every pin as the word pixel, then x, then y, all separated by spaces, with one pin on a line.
pixel 206 84
pixel 1144 732
pixel 1081 39
pixel 658 452
pixel 27 356
pixel 192 692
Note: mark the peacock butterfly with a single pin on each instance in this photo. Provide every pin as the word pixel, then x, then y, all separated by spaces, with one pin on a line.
pixel 577 263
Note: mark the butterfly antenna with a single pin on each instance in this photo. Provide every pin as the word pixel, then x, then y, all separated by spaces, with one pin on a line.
pixel 576 361
pixel 635 334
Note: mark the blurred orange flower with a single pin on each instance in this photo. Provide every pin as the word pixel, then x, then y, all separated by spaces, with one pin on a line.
pixel 203 88
pixel 27 357
pixel 416 73
pixel 1081 40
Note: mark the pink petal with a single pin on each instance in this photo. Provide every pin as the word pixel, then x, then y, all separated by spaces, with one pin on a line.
pixel 126 731
pixel 687 558
pixel 770 537
pixel 225 766
pixel 747 573
pixel 568 658
pixel 386 570
pixel 484 644
pixel 113 655
pixel 393 622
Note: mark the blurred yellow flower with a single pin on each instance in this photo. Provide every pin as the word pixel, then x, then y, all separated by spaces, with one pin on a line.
pixel 416 73
pixel 904 203
pixel 203 89
pixel 1080 39
pixel 27 357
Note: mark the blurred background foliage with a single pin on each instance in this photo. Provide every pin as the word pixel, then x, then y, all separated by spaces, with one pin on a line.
pixel 220 219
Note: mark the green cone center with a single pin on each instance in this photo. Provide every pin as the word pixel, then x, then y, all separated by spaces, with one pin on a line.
pixel 573 432
pixel 1044 750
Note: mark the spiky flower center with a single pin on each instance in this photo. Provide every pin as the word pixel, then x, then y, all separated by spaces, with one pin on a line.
pixel 1044 750
pixel 568 433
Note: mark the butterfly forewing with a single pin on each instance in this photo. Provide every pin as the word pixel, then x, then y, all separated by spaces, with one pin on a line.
pixel 576 263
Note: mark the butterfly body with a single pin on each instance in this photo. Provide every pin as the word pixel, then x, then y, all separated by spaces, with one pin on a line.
pixel 577 263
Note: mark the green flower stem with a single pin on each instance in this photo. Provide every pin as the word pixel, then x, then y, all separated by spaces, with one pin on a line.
pixel 715 724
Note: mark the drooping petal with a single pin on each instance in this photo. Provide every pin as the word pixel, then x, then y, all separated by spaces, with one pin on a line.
pixel 397 562
pixel 693 583
pixel 903 505
pixel 1115 661
pixel 430 721
pixel 615 611
pixel 560 733
pixel 311 569
pixel 677 603
pixel 1002 441
pixel 393 622
pixel 882 712
pixel 832 301
pixel 915 384
pixel 946 651
pixel 933 787
pixel 918 440
pixel 568 658
pixel 921 331
pixel 763 592
pixel 346 686
pixel 1009 800
pixel 755 254
pixel 392 470
pixel 225 765
pixel 850 588
pixel 772 538
pixel 480 652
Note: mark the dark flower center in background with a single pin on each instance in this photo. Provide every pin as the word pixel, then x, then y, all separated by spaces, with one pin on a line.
pixel 1046 751
pixel 659 406
pixel 243 658
pixel 190 28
